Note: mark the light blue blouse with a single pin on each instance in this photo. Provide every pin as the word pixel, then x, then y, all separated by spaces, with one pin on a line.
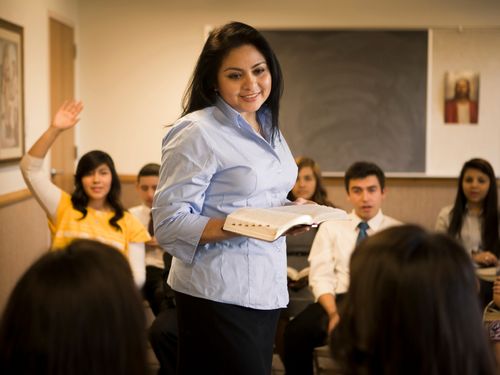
pixel 213 162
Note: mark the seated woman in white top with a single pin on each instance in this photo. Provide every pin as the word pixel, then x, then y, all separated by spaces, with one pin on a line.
pixel 473 219
pixel 93 210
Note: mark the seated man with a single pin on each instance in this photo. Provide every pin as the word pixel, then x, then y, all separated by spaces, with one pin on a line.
pixel 163 332
pixel 329 264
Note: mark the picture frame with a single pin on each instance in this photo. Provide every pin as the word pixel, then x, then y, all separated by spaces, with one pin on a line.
pixel 461 101
pixel 11 92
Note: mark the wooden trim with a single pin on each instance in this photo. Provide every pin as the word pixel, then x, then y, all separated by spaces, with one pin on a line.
pixel 127 178
pixel 14 197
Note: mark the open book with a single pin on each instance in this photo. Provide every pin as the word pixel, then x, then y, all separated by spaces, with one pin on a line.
pixel 270 223
pixel 294 275
pixel 297 279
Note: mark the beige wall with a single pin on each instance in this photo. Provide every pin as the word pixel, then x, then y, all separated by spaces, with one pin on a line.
pixel 23 227
pixel 23 238
pixel 137 56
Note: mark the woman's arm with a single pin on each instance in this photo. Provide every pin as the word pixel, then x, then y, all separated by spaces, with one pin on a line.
pixel 496 291
pixel 46 193
pixel 65 118
pixel 136 259
pixel 213 232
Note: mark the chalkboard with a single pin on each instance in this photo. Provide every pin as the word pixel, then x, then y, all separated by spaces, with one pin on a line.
pixel 354 95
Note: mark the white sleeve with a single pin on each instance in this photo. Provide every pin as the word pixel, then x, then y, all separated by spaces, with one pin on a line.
pixel 322 278
pixel 136 255
pixel 46 193
pixel 443 220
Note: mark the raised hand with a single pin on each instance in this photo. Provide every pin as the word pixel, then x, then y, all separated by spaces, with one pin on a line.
pixel 67 116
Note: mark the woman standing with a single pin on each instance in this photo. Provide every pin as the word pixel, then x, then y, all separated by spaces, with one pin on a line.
pixel 93 210
pixel 226 152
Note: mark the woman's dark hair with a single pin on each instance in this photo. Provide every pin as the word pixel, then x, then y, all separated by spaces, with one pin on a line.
pixel 412 308
pixel 320 195
pixel 201 90
pixel 90 161
pixel 489 217
pixel 75 311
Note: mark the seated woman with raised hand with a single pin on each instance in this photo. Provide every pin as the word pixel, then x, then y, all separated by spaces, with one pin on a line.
pixel 411 308
pixel 94 209
pixel 75 311
pixel 474 218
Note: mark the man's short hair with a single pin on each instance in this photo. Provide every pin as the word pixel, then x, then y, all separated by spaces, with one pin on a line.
pixel 151 169
pixel 363 169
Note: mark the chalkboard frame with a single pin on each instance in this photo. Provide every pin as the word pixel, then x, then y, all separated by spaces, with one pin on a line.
pixel 355 95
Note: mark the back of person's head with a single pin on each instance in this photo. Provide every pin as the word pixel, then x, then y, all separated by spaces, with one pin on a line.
pixel 490 231
pixel 201 92
pixel 412 308
pixel 80 200
pixel 150 169
pixel 361 170
pixel 74 311
pixel 320 195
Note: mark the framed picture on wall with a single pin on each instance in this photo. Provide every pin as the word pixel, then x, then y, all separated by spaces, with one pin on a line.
pixel 11 92
pixel 461 104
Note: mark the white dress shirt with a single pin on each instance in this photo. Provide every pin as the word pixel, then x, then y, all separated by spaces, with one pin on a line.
pixel 154 254
pixel 331 252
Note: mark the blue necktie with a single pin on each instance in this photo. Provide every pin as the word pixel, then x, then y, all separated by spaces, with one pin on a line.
pixel 363 226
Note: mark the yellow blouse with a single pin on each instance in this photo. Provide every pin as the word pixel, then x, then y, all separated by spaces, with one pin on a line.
pixel 68 225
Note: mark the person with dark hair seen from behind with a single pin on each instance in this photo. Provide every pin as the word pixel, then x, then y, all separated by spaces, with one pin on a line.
pixel 411 308
pixel 226 152
pixel 474 219
pixel 75 311
pixel 94 209
pixel 461 109
pixel 329 264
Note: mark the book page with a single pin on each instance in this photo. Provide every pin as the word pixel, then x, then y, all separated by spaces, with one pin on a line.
pixel 317 212
pixel 295 275
pixel 270 217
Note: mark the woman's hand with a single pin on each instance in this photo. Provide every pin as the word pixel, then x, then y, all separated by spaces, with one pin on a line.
pixel 298 229
pixel 496 286
pixel 67 116
pixel 485 258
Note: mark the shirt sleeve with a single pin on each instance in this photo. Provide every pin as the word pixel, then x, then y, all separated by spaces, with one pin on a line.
pixel 443 220
pixel 136 258
pixel 187 167
pixel 46 193
pixel 322 278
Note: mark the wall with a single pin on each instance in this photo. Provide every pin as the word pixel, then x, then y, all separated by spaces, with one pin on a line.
pixel 450 145
pixel 24 234
pixel 137 57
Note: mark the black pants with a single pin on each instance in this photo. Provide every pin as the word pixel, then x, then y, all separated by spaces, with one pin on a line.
pixel 163 338
pixel 306 331
pixel 219 339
